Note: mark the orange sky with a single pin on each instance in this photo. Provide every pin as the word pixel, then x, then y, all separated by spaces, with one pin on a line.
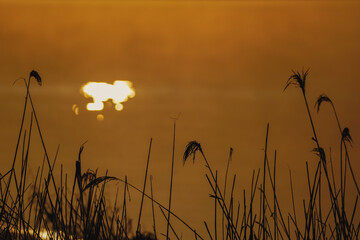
pixel 223 65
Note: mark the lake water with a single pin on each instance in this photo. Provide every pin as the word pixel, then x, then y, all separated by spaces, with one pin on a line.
pixel 220 67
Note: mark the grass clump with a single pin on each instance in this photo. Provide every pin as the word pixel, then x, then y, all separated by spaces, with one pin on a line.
pixel 79 209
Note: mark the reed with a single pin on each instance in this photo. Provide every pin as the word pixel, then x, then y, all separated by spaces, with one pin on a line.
pixel 61 208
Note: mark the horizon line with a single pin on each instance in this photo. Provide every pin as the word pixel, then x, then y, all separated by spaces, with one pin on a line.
pixel 71 2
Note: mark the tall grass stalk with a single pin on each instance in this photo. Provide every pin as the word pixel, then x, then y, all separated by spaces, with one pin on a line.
pixel 171 181
pixel 142 197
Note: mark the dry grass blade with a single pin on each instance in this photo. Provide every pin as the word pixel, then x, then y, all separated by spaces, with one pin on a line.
pixel 191 149
pixel 322 98
pixel 152 207
pixel 142 197
pixel 226 176
pixel 171 181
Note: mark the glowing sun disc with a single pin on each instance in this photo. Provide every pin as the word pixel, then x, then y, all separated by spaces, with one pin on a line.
pixel 120 91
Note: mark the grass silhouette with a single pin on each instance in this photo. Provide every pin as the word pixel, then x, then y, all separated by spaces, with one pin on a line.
pixel 79 209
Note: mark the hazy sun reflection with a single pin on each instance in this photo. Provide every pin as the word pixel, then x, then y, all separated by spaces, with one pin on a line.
pixel 100 117
pixel 100 92
pixel 75 109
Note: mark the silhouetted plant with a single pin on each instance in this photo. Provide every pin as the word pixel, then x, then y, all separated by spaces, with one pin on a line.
pixel 82 212
pixel 322 98
pixel 346 135
pixel 298 79
pixel 36 75
pixel 191 148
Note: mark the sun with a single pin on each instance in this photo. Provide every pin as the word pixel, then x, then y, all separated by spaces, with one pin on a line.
pixel 100 92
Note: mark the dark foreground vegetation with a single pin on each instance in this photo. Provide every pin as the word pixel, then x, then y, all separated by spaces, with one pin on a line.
pixel 50 208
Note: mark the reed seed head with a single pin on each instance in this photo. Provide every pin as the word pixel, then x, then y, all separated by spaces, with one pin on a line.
pixel 321 153
pixel 191 149
pixel 346 135
pixel 99 180
pixel 322 98
pixel 36 75
pixel 298 79
pixel 88 176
